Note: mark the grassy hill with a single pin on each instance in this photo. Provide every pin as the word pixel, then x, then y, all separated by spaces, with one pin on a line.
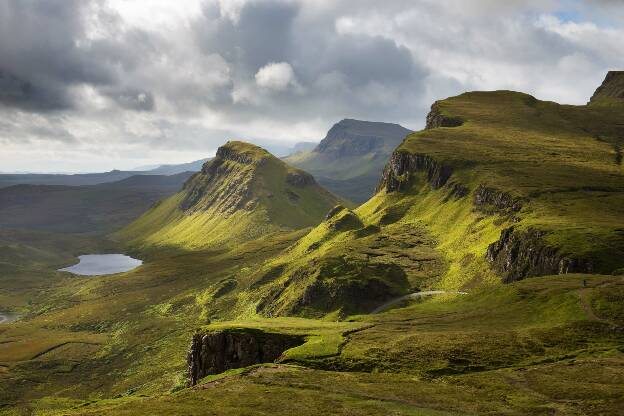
pixel 242 194
pixel 349 160
pixel 515 201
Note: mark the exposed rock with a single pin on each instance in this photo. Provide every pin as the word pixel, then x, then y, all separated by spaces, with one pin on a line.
pixel 502 201
pixel 402 164
pixel 521 254
pixel 300 179
pixel 458 191
pixel 216 352
pixel 436 118
pixel 350 288
pixel 332 212
pixel 611 88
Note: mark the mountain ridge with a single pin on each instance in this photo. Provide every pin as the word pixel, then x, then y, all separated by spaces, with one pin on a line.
pixel 243 193
pixel 351 156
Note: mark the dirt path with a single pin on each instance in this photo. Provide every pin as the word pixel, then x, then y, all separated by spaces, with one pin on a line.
pixel 586 304
pixel 414 295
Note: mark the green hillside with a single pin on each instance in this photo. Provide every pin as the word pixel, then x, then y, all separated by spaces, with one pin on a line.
pixel 270 301
pixel 242 194
pixel 349 160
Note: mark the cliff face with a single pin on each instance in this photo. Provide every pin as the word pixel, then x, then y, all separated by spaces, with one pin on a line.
pixel 485 196
pixel 397 172
pixel 436 119
pixel 612 88
pixel 521 254
pixel 225 182
pixel 216 352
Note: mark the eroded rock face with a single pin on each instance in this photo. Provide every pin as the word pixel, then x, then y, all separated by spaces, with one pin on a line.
pixel 612 87
pixel 436 119
pixel 397 172
pixel 216 352
pixel 501 201
pixel 521 254
pixel 300 179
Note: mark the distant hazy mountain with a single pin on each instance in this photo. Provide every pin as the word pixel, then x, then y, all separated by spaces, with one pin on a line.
pixel 194 166
pixel 80 179
pixel 349 160
pixel 100 208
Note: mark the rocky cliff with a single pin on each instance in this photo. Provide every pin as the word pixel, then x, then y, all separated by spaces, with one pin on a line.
pixel 612 88
pixel 521 254
pixel 436 118
pixel 242 194
pixel 216 352
pixel 402 165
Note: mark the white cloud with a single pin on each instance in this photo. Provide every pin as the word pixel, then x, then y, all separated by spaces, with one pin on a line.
pixel 276 76
pixel 181 77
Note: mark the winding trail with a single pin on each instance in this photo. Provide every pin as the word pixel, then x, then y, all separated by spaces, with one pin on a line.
pixel 415 295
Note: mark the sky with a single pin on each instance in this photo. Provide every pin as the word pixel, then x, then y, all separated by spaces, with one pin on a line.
pixel 94 85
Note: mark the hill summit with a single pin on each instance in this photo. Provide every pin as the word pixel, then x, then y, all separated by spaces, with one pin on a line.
pixel 612 88
pixel 243 193
pixel 349 160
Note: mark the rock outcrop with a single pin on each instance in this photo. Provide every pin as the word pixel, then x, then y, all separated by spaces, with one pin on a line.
pixel 521 254
pixel 216 352
pixel 612 88
pixel 436 119
pixel 402 165
pixel 485 196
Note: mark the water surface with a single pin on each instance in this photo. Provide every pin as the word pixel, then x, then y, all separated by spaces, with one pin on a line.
pixel 99 264
pixel 6 317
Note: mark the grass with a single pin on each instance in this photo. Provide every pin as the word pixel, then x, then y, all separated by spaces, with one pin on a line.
pixel 240 201
pixel 541 346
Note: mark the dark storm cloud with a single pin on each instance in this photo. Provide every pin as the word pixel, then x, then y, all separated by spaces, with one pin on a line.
pixel 331 71
pixel 46 51
pixel 263 33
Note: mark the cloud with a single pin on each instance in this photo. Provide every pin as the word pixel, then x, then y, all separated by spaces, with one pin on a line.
pixel 109 82
pixel 276 76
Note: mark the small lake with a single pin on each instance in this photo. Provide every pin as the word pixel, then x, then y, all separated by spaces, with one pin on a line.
pixel 6 317
pixel 99 264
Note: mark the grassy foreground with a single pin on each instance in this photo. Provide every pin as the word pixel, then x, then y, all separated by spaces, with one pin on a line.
pixel 534 347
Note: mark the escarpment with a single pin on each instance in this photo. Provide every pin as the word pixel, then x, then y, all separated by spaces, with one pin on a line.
pixel 242 194
pixel 521 254
pixel 485 196
pixel 402 165
pixel 612 88
pixel 219 351
pixel 436 118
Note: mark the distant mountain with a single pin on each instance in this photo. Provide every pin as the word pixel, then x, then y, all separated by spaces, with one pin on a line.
pixel 194 166
pixel 303 147
pixel 243 193
pixel 80 179
pixel 101 208
pixel 349 160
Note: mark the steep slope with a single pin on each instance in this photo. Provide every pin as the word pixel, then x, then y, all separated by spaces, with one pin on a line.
pixel 350 158
pixel 611 90
pixel 499 186
pixel 242 194
pixel 514 187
